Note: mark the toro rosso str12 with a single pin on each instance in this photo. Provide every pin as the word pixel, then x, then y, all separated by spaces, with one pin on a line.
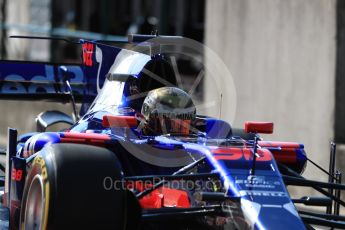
pixel 141 157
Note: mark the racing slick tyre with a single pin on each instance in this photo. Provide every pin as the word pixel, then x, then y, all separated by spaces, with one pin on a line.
pixel 65 189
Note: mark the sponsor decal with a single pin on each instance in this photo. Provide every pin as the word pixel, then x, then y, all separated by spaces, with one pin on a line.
pixel 87 53
pixel 262 193
pixel 258 182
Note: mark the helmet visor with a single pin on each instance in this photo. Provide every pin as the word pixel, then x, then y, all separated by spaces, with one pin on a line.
pixel 166 125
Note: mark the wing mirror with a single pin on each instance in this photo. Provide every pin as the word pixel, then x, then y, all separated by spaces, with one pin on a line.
pixel 49 118
pixel 65 74
pixel 258 127
pixel 66 78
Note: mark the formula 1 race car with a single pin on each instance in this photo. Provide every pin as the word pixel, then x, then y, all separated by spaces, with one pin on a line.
pixel 140 157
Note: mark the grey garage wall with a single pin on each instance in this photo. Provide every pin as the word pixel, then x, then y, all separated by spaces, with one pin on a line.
pixel 281 54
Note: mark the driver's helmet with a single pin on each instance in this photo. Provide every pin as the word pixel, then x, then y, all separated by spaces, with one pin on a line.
pixel 168 110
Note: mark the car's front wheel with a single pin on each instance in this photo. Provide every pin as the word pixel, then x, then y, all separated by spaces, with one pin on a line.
pixel 66 189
